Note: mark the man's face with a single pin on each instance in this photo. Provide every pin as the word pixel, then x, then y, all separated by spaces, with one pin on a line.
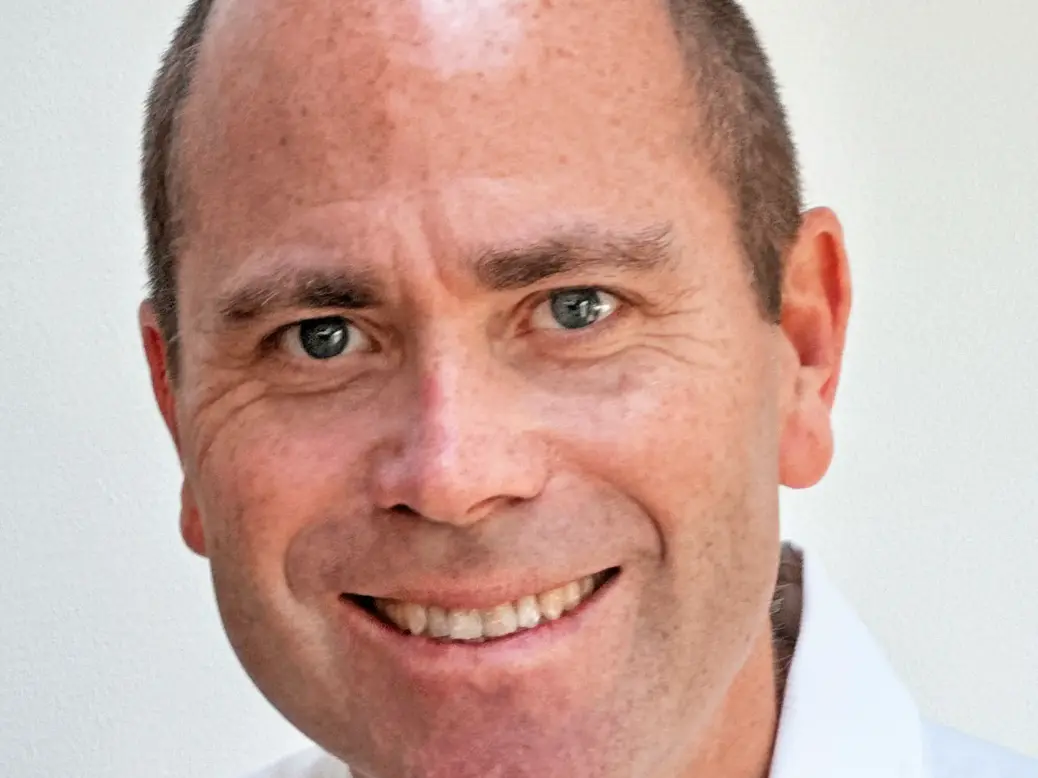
pixel 464 319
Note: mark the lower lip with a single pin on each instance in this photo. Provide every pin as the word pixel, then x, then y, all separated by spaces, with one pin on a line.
pixel 424 655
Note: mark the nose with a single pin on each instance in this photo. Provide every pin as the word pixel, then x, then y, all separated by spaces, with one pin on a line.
pixel 463 446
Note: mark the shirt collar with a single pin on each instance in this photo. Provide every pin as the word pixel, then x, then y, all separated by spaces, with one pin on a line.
pixel 844 713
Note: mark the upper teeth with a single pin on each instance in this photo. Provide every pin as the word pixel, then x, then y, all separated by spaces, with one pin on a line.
pixel 476 625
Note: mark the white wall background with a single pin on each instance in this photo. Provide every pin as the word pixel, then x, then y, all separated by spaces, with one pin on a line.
pixel 918 120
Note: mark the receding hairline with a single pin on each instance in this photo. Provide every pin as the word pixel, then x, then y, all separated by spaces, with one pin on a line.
pixel 738 120
pixel 695 98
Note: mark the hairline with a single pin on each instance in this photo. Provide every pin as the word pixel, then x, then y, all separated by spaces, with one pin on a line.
pixel 700 66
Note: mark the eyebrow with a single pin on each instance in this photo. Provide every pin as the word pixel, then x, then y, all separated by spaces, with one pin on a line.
pixel 496 268
pixel 286 289
pixel 503 269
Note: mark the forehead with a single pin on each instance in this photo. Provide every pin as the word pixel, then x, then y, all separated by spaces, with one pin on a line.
pixel 300 105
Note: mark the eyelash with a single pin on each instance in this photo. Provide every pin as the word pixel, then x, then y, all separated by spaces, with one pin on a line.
pixel 270 344
pixel 623 306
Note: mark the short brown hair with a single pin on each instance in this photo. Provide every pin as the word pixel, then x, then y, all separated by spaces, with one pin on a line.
pixel 743 127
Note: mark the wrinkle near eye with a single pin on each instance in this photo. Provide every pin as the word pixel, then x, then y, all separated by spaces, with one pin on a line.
pixel 214 414
pixel 676 334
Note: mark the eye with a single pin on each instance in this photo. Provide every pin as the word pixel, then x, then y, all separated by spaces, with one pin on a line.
pixel 325 338
pixel 574 309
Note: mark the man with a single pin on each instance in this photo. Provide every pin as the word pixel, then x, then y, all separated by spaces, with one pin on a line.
pixel 486 333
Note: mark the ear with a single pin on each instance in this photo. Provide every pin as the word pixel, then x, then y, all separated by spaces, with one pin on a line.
pixel 816 303
pixel 156 349
pixel 157 353
pixel 191 521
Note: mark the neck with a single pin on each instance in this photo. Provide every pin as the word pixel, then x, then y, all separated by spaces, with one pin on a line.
pixel 741 740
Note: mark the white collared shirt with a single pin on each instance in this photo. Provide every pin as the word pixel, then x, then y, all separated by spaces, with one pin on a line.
pixel 845 713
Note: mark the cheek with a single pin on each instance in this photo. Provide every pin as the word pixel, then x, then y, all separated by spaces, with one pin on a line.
pixel 694 444
pixel 681 437
pixel 272 470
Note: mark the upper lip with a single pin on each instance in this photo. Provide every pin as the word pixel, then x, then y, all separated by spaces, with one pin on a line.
pixel 475 595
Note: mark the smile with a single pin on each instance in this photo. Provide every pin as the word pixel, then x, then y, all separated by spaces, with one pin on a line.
pixel 459 625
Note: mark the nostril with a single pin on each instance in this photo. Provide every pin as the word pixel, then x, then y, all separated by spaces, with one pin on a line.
pixel 401 509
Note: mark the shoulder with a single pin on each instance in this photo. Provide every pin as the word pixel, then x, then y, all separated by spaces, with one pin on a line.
pixel 955 755
pixel 311 763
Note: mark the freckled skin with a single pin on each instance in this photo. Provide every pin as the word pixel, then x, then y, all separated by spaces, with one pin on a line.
pixel 320 133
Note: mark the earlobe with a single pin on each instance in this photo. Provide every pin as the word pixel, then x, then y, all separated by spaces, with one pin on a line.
pixel 815 311
pixel 191 521
pixel 806 446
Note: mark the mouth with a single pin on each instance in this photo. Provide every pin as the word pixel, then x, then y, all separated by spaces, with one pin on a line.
pixel 470 626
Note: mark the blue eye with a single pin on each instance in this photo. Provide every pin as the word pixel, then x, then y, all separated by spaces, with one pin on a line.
pixel 324 338
pixel 574 309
